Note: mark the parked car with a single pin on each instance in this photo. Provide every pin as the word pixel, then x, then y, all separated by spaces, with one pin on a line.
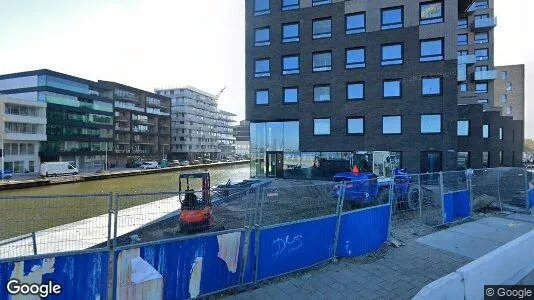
pixel 57 168
pixel 184 163
pixel 6 174
pixel 194 162
pixel 174 163
pixel 207 161
pixel 150 165
pixel 134 164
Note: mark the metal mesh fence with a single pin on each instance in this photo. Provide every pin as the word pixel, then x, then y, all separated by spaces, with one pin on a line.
pixel 455 181
pixel 485 190
pixel 513 187
pixel 297 202
pixel 50 224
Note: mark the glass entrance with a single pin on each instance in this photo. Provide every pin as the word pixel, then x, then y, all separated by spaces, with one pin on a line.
pixel 431 162
pixel 275 164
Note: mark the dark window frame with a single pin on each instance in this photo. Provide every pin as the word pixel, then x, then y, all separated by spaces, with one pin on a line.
pixel 291 6
pixel 463 43
pixel 468 128
pixel 482 58
pixel 319 36
pixel 383 116
pixel 293 71
pixel 263 11
pixel 431 133
pixel 482 41
pixel 477 91
pixel 461 24
pixel 392 80
pixel 284 93
pixel 357 65
pixel 434 20
pixel 291 39
pixel 347 91
pixel 355 118
pixel 325 68
pixel 265 42
pixel 256 97
pixel 440 86
pixel 359 29
pixel 329 127
pixel 321 2
pixel 329 93
pixel 488 163
pixel 390 26
pixel 262 74
pixel 440 57
pixel 489 130
pixel 460 87
pixel 385 63
pixel 468 162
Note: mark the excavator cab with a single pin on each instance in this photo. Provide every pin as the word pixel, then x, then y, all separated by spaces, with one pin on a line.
pixel 196 208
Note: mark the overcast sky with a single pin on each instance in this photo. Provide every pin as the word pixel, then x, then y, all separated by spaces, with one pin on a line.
pixel 163 43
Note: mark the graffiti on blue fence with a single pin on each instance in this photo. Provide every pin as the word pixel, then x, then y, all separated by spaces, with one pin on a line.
pixel 80 276
pixel 291 247
pixel 181 269
pixel 363 231
pixel 456 205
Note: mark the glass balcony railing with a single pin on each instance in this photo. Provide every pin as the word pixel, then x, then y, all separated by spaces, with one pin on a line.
pixel 467 59
pixel 485 23
pixel 485 75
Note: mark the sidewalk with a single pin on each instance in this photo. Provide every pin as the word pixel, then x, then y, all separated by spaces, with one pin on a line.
pixel 397 273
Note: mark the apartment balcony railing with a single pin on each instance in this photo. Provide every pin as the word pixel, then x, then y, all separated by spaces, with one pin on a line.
pixel 122 151
pixel 485 23
pixel 485 75
pixel 467 59
pixel 477 5
pixel 120 128
pixel 140 151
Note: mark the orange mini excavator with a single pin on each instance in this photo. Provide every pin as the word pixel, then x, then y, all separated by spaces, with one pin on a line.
pixel 196 210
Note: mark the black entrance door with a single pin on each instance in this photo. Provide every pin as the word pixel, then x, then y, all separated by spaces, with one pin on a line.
pixel 275 164
pixel 431 162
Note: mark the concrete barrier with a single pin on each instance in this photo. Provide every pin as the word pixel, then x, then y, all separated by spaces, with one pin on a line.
pixel 508 264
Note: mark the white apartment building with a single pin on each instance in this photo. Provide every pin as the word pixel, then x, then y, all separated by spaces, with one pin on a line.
pixel 22 128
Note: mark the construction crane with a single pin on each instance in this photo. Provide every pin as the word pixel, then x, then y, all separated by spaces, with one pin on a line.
pixel 219 93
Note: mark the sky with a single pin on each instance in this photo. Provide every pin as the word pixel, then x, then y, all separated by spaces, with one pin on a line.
pixel 167 43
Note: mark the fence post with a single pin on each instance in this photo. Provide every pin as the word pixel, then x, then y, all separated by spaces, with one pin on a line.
pixel 110 211
pixel 421 198
pixel 442 198
pixel 257 226
pixel 392 204
pixel 470 175
pixel 247 240
pixel 115 221
pixel 339 210
pixel 525 173
pixel 34 241
pixel 499 187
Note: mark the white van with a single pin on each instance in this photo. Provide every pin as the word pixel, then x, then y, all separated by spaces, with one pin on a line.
pixel 150 165
pixel 57 168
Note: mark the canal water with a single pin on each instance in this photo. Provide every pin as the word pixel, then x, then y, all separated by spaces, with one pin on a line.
pixel 161 182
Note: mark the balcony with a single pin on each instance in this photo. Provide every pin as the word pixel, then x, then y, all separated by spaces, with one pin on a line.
pixel 485 75
pixel 485 23
pixel 462 72
pixel 467 59
pixel 119 128
pixel 477 5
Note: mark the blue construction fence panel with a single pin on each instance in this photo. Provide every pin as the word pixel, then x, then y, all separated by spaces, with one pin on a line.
pixel 81 276
pixel 530 198
pixel 291 247
pixel 363 231
pixel 181 269
pixel 250 261
pixel 456 205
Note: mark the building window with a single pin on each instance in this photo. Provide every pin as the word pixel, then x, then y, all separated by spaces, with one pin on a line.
pixel 391 125
pixel 463 52
pixel 481 68
pixel 321 126
pixel 431 86
pixel 462 39
pixel 290 64
pixel 392 54
pixel 355 23
pixel 509 86
pixel 504 75
pixel 262 68
pixel 356 91
pixel 463 128
pixel 501 158
pixel 485 131
pixel 463 160
pixel 431 123
pixel 262 37
pixel 291 95
pixel 261 7
pixel 355 58
pixel 392 88
pixel 482 54
pixel 320 2
pixel 290 4
pixel 431 50
pixel 430 12
pixel 392 17
pixel 462 23
pixel 322 61
pixel 290 33
pixel 481 88
pixel 504 98
pixel 355 125
pixel 462 87
pixel 501 134
pixel 482 101
pixel 322 28
pixel 485 159
pixel 481 38
pixel 262 97
pixel 481 4
pixel 321 93
pixel 508 110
